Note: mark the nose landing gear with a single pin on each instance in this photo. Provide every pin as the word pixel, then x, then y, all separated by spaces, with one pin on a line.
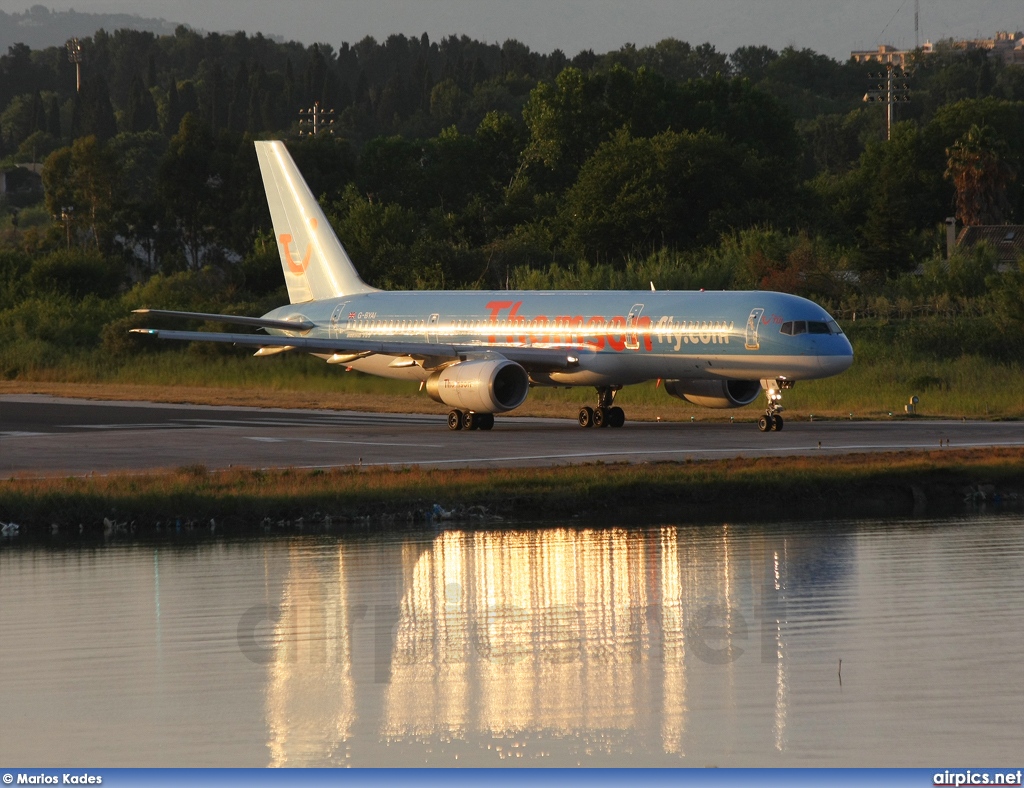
pixel 772 420
pixel 605 414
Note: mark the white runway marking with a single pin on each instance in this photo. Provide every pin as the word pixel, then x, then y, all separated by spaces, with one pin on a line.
pixel 156 425
pixel 315 420
pixel 739 452
pixel 349 443
pixel 373 443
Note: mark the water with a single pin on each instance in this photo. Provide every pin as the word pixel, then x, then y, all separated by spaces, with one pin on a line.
pixel 691 646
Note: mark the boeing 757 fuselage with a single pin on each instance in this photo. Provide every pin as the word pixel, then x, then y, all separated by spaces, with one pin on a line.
pixel 479 352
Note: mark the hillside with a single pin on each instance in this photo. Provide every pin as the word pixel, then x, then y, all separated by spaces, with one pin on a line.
pixel 38 27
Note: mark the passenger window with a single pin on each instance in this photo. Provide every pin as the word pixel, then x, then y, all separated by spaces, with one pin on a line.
pixel 787 328
pixel 799 327
pixel 817 327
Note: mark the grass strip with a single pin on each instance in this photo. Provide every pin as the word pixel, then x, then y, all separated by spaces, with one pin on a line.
pixel 250 501
pixel 643 402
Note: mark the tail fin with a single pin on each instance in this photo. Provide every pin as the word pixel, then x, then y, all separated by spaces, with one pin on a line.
pixel 314 261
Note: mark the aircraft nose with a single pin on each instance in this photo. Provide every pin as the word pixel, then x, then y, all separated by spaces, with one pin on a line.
pixel 839 358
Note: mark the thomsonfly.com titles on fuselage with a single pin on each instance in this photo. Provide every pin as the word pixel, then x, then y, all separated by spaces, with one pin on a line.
pixel 479 351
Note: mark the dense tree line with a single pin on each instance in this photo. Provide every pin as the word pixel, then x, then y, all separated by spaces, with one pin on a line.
pixel 457 163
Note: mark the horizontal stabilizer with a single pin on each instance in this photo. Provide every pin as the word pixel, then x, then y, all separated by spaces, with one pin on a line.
pixel 239 320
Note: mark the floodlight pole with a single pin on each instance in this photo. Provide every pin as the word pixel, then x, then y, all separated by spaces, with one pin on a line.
pixel 75 56
pixel 889 92
pixel 316 119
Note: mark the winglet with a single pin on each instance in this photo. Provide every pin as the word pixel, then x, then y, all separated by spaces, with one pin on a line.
pixel 315 263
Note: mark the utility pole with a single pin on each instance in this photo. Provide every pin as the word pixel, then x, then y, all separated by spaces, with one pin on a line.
pixel 893 89
pixel 75 56
pixel 316 119
pixel 917 27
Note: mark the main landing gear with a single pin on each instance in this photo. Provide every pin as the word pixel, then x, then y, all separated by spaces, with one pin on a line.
pixel 469 420
pixel 772 421
pixel 605 414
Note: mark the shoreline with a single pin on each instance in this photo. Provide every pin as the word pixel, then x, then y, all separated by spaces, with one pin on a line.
pixel 244 502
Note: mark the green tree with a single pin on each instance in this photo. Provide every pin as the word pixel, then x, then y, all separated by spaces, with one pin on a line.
pixel 378 236
pixel 83 178
pixel 676 189
pixel 500 138
pixel 567 121
pixel 18 119
pixel 905 198
pixel 189 184
pixel 446 102
pixel 93 113
pixel 141 112
pixel 138 212
pixel 752 62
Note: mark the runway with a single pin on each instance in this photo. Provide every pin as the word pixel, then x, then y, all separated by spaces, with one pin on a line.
pixel 42 435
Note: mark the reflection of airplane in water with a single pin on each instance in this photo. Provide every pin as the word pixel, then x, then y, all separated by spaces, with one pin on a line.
pixel 479 352
pixel 552 640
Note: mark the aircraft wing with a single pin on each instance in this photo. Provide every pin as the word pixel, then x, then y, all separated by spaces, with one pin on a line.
pixel 528 357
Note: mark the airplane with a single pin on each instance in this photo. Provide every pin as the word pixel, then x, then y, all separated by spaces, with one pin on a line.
pixel 480 352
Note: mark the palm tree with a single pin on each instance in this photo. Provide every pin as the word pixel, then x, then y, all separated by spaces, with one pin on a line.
pixel 981 176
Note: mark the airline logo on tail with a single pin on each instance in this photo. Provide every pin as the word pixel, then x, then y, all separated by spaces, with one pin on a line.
pixel 294 265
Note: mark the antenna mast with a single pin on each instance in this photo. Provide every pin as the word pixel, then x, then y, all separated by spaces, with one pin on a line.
pixel 917 29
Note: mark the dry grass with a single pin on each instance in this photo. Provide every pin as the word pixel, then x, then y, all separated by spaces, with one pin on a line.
pixel 538 404
pixel 793 488
pixel 638 401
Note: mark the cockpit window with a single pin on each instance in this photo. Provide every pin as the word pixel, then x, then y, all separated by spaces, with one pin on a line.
pixel 793 327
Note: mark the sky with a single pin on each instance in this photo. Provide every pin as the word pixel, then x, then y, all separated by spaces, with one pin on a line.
pixel 832 27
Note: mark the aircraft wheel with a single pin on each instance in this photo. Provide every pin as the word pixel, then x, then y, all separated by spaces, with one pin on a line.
pixel 777 423
pixel 455 420
pixel 471 421
pixel 586 417
pixel 485 421
pixel 763 424
pixel 616 417
pixel 600 417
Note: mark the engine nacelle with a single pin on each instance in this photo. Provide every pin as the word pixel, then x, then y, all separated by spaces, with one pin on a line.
pixel 715 393
pixel 484 386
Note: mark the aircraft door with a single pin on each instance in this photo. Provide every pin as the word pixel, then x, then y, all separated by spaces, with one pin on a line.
pixel 339 321
pixel 432 328
pixel 753 323
pixel 632 337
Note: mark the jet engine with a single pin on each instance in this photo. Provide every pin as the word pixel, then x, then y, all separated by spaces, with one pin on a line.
pixel 715 393
pixel 485 386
